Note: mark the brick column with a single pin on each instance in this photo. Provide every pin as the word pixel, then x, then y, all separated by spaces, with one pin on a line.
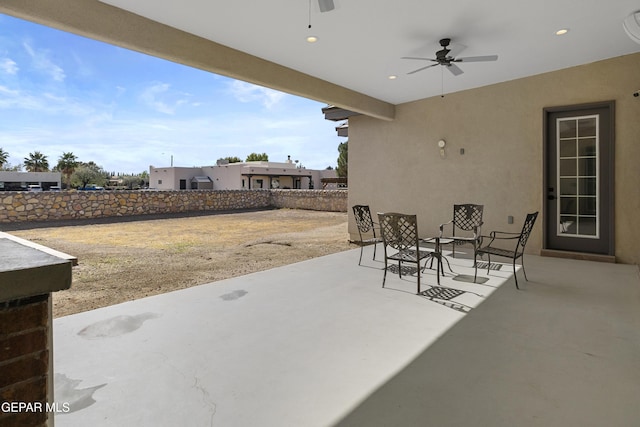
pixel 28 276
pixel 24 361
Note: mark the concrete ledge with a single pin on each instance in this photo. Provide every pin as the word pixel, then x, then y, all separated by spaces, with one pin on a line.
pixel 52 252
pixel 27 272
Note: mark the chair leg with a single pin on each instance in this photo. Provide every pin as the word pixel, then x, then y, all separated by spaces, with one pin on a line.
pixel 361 249
pixel 448 264
pixel 523 270
pixel 475 264
pixel 418 265
pixel 374 250
pixel 515 275
pixel 384 278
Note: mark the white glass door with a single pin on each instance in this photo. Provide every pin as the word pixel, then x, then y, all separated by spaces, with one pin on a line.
pixel 577 176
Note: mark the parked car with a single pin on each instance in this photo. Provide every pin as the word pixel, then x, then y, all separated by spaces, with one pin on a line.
pixel 91 187
pixel 55 188
pixel 34 187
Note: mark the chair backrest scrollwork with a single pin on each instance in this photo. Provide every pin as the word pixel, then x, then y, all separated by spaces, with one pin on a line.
pixel 400 231
pixel 468 216
pixel 364 221
pixel 526 231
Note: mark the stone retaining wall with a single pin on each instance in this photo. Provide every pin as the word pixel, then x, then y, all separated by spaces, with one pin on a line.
pixel 316 200
pixel 46 206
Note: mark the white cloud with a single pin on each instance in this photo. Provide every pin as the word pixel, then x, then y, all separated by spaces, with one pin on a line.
pixel 247 92
pixel 42 63
pixel 161 98
pixel 150 97
pixel 9 66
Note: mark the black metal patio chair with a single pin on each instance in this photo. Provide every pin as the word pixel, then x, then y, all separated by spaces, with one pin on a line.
pixel 366 229
pixel 467 221
pixel 401 243
pixel 515 253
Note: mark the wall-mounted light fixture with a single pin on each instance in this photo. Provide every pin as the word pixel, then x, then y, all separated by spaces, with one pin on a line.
pixel 441 145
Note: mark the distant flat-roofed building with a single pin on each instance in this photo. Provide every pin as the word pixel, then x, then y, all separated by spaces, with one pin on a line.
pixel 238 176
pixel 20 181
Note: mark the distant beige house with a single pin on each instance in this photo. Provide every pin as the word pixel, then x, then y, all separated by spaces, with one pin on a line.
pixel 237 176
pixel 20 181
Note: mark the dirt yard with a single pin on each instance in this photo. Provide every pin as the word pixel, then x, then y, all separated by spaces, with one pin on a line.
pixel 129 259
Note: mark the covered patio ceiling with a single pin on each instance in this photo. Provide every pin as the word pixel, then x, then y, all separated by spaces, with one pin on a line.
pixel 360 43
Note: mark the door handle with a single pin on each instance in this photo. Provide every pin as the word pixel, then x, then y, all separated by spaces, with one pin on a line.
pixel 550 196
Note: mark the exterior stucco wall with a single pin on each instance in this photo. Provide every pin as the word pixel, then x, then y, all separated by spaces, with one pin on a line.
pixel 396 166
pixel 236 176
pixel 169 178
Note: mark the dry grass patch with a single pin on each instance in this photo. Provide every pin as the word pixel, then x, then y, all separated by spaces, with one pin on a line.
pixel 123 261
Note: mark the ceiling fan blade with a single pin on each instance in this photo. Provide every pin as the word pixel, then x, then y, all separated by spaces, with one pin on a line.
pixel 477 58
pixel 326 5
pixel 423 68
pixel 454 69
pixel 456 49
pixel 421 59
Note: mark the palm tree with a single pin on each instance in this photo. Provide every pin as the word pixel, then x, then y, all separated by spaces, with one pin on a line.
pixel 36 162
pixel 67 164
pixel 4 157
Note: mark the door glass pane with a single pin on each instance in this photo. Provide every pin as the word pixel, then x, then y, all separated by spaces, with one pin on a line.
pixel 587 147
pixel 587 226
pixel 568 148
pixel 588 206
pixel 568 167
pixel 577 176
pixel 568 225
pixel 587 186
pixel 568 206
pixel 587 167
pixel 568 186
pixel 587 127
pixel 567 128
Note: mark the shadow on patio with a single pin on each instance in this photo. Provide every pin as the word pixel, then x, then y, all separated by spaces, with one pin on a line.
pixel 320 343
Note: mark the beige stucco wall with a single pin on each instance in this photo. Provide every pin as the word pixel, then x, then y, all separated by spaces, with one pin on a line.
pixel 170 177
pixel 396 166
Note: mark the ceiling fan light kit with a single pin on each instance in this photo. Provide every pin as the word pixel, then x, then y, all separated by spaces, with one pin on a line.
pixel 631 26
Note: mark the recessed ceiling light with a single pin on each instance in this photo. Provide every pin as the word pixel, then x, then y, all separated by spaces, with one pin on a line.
pixel 312 39
pixel 562 32
pixel 392 77
pixel 631 25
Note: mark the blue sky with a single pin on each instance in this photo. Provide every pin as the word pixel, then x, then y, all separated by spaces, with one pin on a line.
pixel 125 111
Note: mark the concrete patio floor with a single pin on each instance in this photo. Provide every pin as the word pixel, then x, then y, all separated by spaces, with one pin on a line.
pixel 321 343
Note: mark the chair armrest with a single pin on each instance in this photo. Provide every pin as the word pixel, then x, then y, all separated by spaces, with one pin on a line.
pixel 498 235
pixel 503 235
pixel 477 231
pixel 442 227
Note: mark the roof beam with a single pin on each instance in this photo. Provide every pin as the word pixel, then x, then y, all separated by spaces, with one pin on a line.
pixel 96 20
